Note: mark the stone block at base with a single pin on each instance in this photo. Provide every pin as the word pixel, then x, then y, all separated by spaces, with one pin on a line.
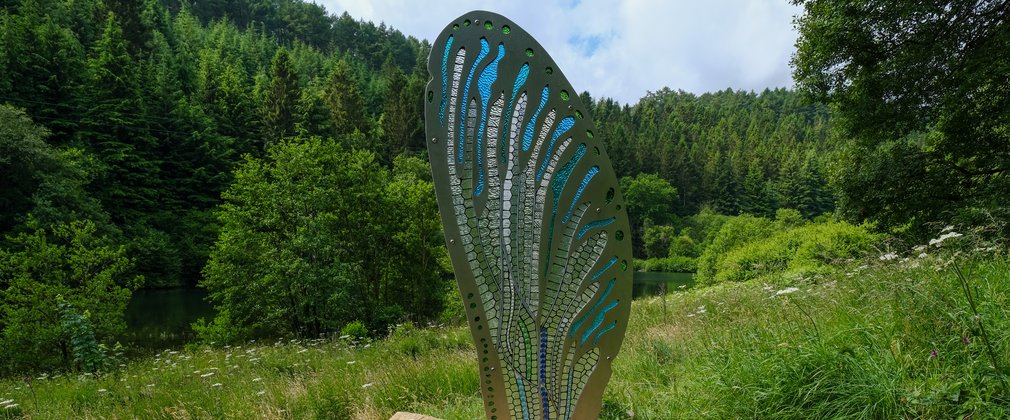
pixel 411 416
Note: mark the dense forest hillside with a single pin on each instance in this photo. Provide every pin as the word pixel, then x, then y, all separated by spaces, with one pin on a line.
pixel 149 106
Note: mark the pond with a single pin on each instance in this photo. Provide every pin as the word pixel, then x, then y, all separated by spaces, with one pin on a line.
pixel 161 318
pixel 650 283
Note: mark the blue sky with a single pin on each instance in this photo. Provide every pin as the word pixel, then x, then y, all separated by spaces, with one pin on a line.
pixel 625 48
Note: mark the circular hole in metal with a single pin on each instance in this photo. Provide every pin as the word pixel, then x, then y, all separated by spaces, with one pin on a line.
pixel 549 70
pixel 431 95
pixel 589 133
pixel 619 235
pixel 578 114
pixel 529 52
pixel 506 30
pixel 564 95
pixel 610 197
pixel 624 265
pixel 455 27
pixel 466 22
pixel 488 25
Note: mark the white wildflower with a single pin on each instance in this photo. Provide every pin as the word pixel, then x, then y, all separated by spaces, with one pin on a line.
pixel 368 385
pixel 5 402
pixel 944 237
pixel 10 406
pixel 208 374
pixel 787 291
pixel 103 390
pixel 923 255
pixel 257 379
pixel 216 385
pixel 888 256
pixel 947 228
pixel 261 392
pixel 343 337
pixel 352 362
pixel 302 351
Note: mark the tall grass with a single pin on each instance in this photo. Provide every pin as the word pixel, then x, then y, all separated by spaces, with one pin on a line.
pixel 880 339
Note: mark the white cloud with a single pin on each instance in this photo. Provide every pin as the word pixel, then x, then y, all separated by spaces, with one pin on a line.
pixel 624 48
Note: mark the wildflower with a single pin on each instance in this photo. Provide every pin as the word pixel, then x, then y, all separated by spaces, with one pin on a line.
pixel 216 385
pixel 944 237
pixel 923 255
pixel 257 379
pixel 918 248
pixel 208 374
pixel 261 392
pixel 5 402
pixel 352 362
pixel 368 385
pixel 888 256
pixel 932 354
pixel 947 228
pixel 302 351
pixel 787 291
pixel 344 337
pixel 150 385
pixel 103 390
pixel 10 406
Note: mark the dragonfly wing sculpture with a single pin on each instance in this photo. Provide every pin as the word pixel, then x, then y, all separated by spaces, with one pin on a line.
pixel 533 220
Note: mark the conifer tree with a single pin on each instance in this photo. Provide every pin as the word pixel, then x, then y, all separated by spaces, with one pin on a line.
pixel 280 106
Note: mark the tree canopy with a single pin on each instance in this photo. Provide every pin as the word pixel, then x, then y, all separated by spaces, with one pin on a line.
pixel 921 89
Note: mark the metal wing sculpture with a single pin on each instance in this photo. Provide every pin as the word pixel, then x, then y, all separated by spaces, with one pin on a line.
pixel 533 220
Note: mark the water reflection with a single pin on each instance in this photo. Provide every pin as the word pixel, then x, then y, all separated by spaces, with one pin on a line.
pixel 651 283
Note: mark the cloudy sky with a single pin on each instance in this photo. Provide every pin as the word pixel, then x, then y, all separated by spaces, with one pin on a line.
pixel 624 48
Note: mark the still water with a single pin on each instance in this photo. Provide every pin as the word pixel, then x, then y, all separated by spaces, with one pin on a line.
pixel 161 318
pixel 651 283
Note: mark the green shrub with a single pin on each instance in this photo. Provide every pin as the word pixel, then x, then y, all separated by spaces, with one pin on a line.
pixel 89 355
pixel 733 233
pixel 673 264
pixel 801 250
pixel 354 329
pixel 68 260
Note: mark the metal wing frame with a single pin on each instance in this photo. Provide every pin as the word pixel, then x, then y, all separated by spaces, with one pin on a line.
pixel 533 217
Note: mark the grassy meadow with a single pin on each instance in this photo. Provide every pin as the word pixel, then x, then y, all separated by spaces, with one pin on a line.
pixel 885 337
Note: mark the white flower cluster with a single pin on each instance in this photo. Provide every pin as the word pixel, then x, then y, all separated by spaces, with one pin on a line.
pixel 787 291
pixel 8 404
pixel 944 237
